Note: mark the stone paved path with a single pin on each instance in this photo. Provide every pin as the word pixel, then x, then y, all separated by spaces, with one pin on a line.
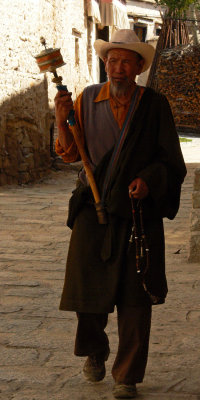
pixel 36 340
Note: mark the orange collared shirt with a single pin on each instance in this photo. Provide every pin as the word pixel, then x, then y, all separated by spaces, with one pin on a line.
pixel 119 111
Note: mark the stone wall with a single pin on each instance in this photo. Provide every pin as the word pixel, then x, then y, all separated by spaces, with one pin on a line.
pixel 26 96
pixel 178 77
pixel 194 251
pixel 24 135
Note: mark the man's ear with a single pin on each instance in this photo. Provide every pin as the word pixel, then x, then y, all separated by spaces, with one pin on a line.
pixel 105 63
pixel 140 66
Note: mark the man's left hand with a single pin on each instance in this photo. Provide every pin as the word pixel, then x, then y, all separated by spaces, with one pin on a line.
pixel 138 189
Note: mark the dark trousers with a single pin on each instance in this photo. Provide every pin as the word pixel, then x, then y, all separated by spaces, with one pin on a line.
pixel 134 330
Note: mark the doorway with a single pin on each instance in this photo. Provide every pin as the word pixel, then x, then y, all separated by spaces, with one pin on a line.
pixel 141 32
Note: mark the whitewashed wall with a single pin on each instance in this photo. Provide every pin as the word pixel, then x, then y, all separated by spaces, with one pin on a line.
pixel 26 96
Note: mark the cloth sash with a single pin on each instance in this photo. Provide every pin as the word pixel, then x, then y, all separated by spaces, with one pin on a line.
pixel 137 95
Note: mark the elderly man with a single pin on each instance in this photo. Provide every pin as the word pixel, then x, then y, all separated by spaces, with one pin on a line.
pixel 132 145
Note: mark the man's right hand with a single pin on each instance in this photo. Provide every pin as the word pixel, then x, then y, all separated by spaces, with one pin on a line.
pixel 63 105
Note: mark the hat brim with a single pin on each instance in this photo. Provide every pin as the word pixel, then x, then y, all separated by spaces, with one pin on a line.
pixel 144 49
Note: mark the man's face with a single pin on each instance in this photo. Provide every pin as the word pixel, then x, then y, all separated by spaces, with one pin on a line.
pixel 122 66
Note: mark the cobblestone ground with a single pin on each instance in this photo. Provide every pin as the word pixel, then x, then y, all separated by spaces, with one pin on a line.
pixel 36 340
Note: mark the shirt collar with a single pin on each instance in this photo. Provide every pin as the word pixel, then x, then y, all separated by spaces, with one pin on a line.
pixel 104 93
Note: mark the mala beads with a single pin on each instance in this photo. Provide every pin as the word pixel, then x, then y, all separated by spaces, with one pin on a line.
pixel 138 236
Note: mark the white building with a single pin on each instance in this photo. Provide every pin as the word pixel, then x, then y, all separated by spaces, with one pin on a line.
pixel 145 17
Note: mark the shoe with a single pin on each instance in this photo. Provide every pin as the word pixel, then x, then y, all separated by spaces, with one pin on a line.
pixel 121 391
pixel 94 367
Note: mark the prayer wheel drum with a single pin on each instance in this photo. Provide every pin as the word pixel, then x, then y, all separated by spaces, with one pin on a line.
pixel 49 59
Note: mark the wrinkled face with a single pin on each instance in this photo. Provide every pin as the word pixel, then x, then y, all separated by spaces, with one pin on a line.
pixel 122 66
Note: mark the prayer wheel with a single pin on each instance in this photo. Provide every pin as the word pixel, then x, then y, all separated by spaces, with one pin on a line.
pixel 49 59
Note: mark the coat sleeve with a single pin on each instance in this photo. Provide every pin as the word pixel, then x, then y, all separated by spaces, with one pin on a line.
pixel 165 174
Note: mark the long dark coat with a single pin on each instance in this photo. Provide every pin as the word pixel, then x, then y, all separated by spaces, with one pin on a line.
pixel 101 270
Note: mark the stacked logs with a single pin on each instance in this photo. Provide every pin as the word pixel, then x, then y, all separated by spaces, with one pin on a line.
pixel 194 250
pixel 174 33
pixel 178 77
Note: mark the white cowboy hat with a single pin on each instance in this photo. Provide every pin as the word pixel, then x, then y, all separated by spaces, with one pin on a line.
pixel 126 39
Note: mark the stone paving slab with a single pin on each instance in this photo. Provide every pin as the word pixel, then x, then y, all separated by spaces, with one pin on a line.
pixel 36 339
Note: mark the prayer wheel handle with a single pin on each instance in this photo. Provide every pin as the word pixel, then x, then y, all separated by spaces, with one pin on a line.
pixel 70 118
pixel 48 61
